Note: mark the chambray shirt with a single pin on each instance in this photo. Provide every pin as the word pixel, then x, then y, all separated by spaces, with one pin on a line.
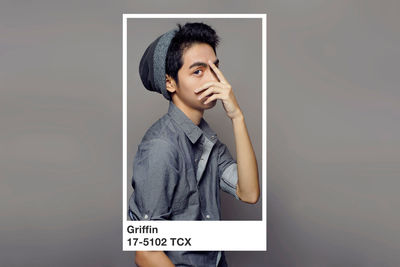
pixel 178 171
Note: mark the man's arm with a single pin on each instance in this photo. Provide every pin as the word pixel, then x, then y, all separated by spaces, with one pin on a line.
pixel 152 258
pixel 248 189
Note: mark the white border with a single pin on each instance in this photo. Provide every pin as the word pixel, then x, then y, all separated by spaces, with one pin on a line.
pixel 225 235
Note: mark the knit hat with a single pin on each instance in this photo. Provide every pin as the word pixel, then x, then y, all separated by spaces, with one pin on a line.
pixel 152 64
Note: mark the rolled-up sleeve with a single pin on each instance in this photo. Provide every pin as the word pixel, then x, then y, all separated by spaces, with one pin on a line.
pixel 227 171
pixel 155 174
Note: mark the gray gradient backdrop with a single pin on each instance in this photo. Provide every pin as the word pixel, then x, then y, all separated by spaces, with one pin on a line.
pixel 333 138
pixel 240 58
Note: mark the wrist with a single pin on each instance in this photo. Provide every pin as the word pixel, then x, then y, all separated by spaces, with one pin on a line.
pixel 238 116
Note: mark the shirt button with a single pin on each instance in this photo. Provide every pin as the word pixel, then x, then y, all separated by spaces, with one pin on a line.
pixel 208 216
pixel 146 216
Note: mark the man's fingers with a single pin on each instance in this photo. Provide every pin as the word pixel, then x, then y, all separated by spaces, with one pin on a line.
pixel 222 81
pixel 218 72
pixel 210 90
pixel 212 98
pixel 204 86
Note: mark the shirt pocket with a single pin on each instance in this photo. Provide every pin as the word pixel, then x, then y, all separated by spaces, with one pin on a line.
pixel 184 201
pixel 186 192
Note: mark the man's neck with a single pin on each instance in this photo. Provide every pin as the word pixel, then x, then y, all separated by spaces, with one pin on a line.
pixel 193 114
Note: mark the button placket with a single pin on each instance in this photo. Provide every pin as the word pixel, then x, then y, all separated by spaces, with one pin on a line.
pixel 207 146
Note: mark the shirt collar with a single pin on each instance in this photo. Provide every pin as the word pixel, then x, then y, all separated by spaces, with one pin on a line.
pixel 192 131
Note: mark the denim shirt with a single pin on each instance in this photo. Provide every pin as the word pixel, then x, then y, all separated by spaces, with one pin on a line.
pixel 178 171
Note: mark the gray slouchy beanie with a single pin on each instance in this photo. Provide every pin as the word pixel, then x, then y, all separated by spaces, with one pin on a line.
pixel 152 64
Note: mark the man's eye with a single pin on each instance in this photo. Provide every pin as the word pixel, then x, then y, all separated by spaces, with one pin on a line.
pixel 196 72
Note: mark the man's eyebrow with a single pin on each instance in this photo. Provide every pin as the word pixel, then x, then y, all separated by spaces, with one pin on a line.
pixel 202 64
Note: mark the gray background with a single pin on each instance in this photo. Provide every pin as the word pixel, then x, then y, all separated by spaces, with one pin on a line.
pixel 333 138
pixel 240 63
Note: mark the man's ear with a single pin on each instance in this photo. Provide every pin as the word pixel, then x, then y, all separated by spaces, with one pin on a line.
pixel 170 83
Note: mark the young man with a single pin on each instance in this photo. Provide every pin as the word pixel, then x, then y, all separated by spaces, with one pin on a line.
pixel 180 165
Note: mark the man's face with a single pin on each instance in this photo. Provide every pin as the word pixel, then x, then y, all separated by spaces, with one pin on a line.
pixel 194 72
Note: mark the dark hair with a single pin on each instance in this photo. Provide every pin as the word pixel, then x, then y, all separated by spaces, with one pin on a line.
pixel 185 37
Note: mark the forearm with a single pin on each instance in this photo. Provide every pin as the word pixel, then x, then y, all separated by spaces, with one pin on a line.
pixel 248 187
pixel 152 258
